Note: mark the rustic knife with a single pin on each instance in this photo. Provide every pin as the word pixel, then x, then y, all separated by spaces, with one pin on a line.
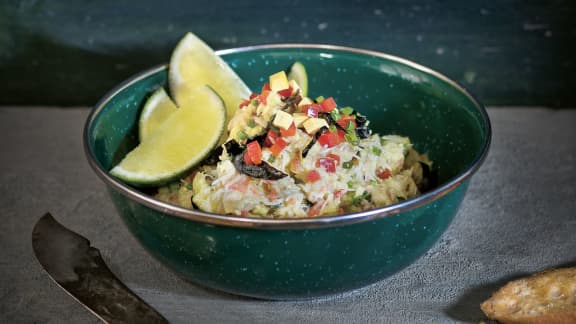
pixel 79 269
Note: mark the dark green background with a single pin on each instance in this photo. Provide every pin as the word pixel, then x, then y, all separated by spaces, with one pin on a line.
pixel 71 52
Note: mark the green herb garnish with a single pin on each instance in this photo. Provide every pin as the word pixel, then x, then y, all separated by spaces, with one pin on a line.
pixel 347 110
pixel 241 135
pixel 332 128
pixel 335 114
pixel 350 127
pixel 351 138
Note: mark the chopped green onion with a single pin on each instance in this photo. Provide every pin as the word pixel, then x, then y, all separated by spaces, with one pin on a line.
pixel 351 138
pixel 271 159
pixel 241 135
pixel 373 182
pixel 254 102
pixel 189 186
pixel 251 123
pixel 357 201
pixel 347 110
pixel 335 114
pixel 332 129
pixel 347 165
pixel 319 99
pixel 376 150
pixel 350 127
pixel 350 184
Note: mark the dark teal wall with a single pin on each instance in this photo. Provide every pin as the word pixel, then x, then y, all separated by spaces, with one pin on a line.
pixel 72 52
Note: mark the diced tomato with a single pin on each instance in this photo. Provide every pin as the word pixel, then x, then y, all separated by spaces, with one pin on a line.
pixel 278 146
pixel 253 95
pixel 328 104
pixel 291 131
pixel 330 139
pixel 311 110
pixel 312 176
pixel 327 163
pixel 253 153
pixel 271 138
pixel 383 173
pixel 285 92
pixel 345 120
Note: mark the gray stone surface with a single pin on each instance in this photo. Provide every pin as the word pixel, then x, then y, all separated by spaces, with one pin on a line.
pixel 519 217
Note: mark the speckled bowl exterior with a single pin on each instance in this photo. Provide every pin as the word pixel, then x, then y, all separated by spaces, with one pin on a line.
pixel 296 259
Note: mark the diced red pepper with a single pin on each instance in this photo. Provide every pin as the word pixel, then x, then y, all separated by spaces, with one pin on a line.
pixel 345 120
pixel 328 104
pixel 264 96
pixel 266 87
pixel 311 110
pixel 271 138
pixel 244 103
pixel 315 209
pixel 285 92
pixel 334 157
pixel 253 153
pixel 312 176
pixel 330 139
pixel 339 193
pixel 327 163
pixel 291 131
pixel 278 146
pixel 383 173
pixel 253 95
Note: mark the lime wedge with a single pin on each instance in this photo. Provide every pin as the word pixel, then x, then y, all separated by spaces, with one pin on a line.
pixel 179 143
pixel 297 73
pixel 193 63
pixel 156 110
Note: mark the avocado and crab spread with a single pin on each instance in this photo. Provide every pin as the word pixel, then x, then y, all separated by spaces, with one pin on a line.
pixel 289 156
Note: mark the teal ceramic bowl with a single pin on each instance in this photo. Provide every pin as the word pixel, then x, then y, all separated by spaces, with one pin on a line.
pixel 305 258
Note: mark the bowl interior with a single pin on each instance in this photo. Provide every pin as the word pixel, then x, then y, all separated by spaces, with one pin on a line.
pixel 397 96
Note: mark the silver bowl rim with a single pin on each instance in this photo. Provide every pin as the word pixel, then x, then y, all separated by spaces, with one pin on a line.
pixel 299 223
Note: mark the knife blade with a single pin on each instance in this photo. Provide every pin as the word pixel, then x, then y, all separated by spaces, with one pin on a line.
pixel 80 270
